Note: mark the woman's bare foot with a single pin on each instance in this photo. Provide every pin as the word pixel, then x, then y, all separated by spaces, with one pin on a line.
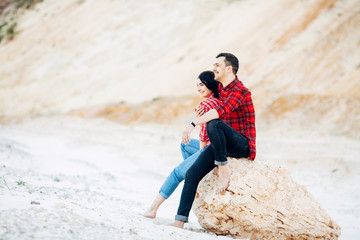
pixel 224 178
pixel 151 212
pixel 178 224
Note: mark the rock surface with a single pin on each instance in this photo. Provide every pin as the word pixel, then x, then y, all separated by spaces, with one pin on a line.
pixel 262 202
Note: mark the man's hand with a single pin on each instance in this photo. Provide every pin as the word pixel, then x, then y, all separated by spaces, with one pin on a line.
pixel 186 134
pixel 199 111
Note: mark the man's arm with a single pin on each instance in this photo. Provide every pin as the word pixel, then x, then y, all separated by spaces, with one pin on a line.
pixel 233 101
pixel 206 117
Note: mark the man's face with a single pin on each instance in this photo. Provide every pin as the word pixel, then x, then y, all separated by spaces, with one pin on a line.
pixel 219 68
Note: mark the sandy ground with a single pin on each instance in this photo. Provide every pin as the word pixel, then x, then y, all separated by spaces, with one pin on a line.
pixel 71 178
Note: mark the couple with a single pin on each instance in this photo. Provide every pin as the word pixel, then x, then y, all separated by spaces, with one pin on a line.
pixel 229 118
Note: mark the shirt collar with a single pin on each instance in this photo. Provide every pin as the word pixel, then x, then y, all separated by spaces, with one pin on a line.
pixel 231 85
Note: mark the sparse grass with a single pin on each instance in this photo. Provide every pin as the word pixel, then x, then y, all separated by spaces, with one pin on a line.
pixel 7 30
pixel 8 17
pixel 26 3
pixel 2 26
pixel 11 31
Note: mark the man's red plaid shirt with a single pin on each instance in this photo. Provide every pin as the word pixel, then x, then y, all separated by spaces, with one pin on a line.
pixel 207 104
pixel 237 110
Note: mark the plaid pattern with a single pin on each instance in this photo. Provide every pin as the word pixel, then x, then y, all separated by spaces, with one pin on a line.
pixel 207 104
pixel 237 110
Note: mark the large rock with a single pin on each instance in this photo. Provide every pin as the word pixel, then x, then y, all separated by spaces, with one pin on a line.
pixel 262 202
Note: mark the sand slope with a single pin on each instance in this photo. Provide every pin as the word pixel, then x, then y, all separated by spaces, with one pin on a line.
pixel 299 58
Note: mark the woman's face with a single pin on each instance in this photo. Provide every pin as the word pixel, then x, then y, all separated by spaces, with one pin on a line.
pixel 202 89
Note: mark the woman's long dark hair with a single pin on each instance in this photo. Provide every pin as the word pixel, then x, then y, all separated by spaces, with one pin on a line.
pixel 207 78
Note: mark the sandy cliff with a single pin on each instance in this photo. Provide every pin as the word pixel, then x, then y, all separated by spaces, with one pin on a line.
pixel 301 59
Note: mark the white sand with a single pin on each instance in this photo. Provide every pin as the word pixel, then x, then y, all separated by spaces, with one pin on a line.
pixel 94 179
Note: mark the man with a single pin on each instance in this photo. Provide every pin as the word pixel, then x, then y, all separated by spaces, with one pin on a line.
pixel 231 130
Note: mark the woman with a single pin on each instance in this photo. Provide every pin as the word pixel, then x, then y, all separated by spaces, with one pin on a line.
pixel 208 89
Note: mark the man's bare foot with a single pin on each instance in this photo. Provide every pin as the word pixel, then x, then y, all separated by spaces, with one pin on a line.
pixel 150 214
pixel 178 224
pixel 224 178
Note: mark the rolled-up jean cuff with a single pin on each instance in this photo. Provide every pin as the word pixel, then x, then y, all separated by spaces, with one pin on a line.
pixel 163 195
pixel 181 218
pixel 221 163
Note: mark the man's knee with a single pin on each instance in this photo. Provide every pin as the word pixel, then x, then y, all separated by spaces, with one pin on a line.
pixel 212 125
pixel 192 175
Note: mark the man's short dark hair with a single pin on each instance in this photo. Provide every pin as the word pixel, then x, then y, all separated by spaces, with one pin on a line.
pixel 230 60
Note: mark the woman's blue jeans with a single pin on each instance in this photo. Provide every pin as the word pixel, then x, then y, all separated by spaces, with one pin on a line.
pixel 190 153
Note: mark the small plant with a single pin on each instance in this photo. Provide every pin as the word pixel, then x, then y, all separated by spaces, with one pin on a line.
pixel 21 183
pixel 2 32
pixel 11 31
pixel 5 183
pixel 3 25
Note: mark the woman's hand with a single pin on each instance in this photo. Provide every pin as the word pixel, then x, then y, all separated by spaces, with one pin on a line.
pixel 199 111
pixel 186 134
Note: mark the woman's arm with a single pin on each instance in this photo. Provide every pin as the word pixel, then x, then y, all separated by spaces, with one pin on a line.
pixel 208 116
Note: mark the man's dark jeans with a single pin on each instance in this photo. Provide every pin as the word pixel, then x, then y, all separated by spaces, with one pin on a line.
pixel 225 142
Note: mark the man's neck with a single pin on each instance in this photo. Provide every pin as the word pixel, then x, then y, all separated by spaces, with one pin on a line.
pixel 227 80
